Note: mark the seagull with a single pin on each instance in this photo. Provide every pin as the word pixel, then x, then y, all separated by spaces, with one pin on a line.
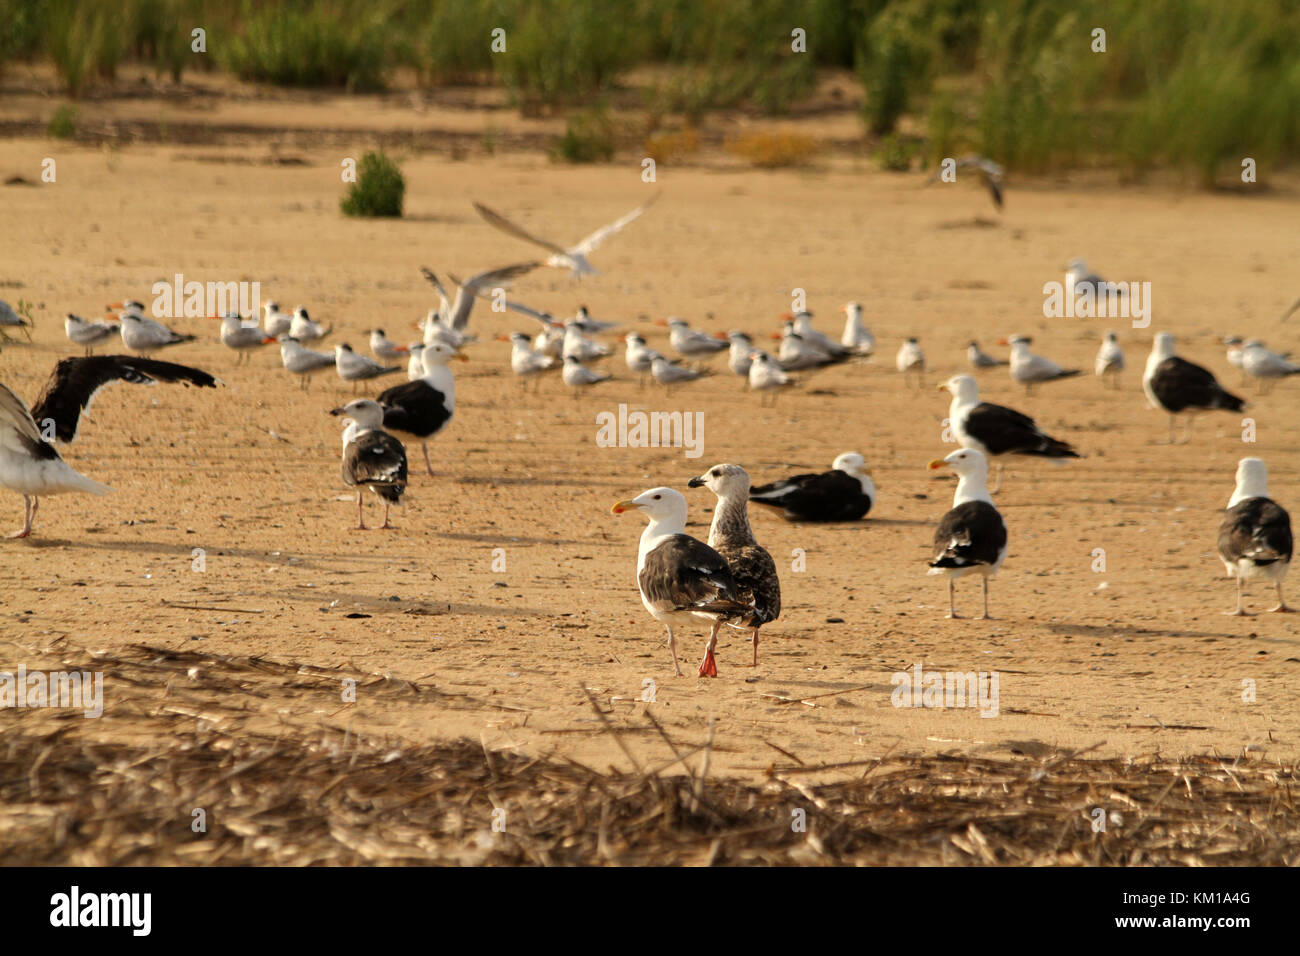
pixel 383 349
pixel 845 493
pixel 241 336
pixel 797 351
pixel 11 319
pixel 766 375
pixel 140 334
pixel 302 361
pixel 372 458
pixel 990 174
pixel 738 360
pixel 639 355
pixel 1234 353
pixel 576 345
pixel 574 258
pixel 1265 365
pixel 415 364
pixel 577 375
pixel 1028 369
pixel 857 338
pixel 668 374
pixel 585 323
pixel 972 536
pixel 422 408
pixel 83 332
pixel 1110 359
pixel 679 577
pixel 525 362
pixel 1181 387
pixel 802 323
pixel 911 359
pixel 995 430
pixel 975 355
pixel 275 322
pixel 304 329
pixel 1255 536
pixel 688 342
pixel 455 313
pixel 752 569
pixel 29 462
pixel 354 368
pixel 1083 276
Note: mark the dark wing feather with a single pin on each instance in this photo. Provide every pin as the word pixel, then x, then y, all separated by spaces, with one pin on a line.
pixel 684 574
pixel 827 496
pixel 754 573
pixel 416 408
pixel 1179 384
pixel 377 460
pixel 970 534
pixel 1005 431
pixel 1258 529
pixel 75 381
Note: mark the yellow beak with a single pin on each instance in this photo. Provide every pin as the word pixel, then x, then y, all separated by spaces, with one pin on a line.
pixel 620 506
pixel 936 463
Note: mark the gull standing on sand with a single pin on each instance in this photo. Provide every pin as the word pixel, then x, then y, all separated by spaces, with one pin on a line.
pixel 971 537
pixel 668 374
pixel 688 342
pixel 1255 536
pixel 576 345
pixel 638 355
pixel 845 493
pixel 354 367
pixel 574 258
pixel 525 362
pixel 1180 387
pixel 1110 360
pixel 1028 369
pixel 372 458
pixel 857 338
pixel 766 375
pixel 141 334
pixel 275 322
pixel 576 375
pixel 740 346
pixel 303 362
pixel 304 329
pixel 978 359
pixel 420 409
pixel 911 359
pixel 384 349
pixel 752 569
pixel 89 334
pixel 242 336
pixel 679 577
pixel 1265 365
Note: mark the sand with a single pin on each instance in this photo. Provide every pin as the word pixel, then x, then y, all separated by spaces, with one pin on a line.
pixel 1136 659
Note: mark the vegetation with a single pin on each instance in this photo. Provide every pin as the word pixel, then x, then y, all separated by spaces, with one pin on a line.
pixel 379 189
pixel 63 124
pixel 588 138
pixel 774 150
pixel 1195 85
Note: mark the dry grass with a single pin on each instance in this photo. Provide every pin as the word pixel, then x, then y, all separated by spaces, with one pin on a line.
pixel 189 730
pixel 774 150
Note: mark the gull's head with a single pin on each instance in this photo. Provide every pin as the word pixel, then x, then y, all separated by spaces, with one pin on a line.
pixel 133 305
pixel 635 340
pixel 438 353
pixel 300 313
pixel 1253 344
pixel 852 463
pixel 378 333
pixel 852 308
pixel 725 481
pixel 677 323
pixel 964 388
pixel 1252 478
pixel 270 308
pixel 1232 340
pixel 1163 344
pixel 802 320
pixel 737 337
pixel 518 338
pixel 583 313
pixel 759 356
pixel 1111 338
pixel 911 340
pixel 657 504
pixel 341 348
pixel 966 462
pixel 366 412
pixel 73 319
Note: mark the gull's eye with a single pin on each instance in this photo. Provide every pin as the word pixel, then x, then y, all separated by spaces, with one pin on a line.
pixel 657 497
pixel 714 473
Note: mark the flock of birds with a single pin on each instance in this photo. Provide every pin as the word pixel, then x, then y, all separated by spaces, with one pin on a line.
pixel 730 580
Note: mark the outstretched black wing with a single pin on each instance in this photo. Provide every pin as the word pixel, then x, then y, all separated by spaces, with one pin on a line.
pixel 76 381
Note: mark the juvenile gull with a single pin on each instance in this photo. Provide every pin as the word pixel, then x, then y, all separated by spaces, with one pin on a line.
pixel 752 568
pixel 372 458
pixel 1110 360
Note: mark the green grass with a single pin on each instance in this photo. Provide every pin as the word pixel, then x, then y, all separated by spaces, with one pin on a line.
pixel 588 138
pixel 63 124
pixel 379 189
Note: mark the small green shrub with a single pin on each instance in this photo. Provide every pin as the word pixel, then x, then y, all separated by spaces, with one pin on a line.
pixel 588 138
pixel 63 124
pixel 379 189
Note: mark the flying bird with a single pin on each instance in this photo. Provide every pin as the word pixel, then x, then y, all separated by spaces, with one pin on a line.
pixel 455 312
pixel 990 174
pixel 575 257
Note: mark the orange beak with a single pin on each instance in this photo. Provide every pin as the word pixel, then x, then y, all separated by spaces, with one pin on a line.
pixel 268 340
pixel 936 464
pixel 462 357
pixel 774 335
pixel 1002 341
pixel 661 322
